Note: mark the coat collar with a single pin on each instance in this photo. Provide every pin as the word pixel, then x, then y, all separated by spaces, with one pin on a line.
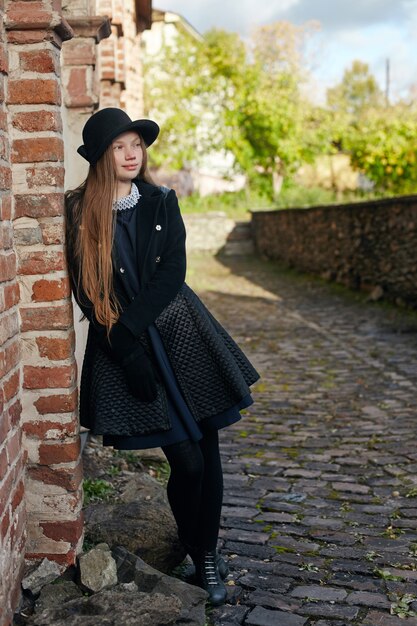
pixel 147 190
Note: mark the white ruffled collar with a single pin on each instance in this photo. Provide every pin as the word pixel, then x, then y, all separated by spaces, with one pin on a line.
pixel 127 202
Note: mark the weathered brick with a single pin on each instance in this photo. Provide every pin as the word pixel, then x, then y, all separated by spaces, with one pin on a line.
pixel 5 524
pixel 79 52
pixel 55 429
pixel 64 530
pixel 49 290
pixel 6 235
pixel 65 559
pixel 62 452
pixel 46 318
pixel 14 413
pixel 45 176
pixel 4 419
pixel 17 530
pixel 4 147
pixel 9 357
pixel 6 488
pixel 5 207
pixel 53 232
pixel 3 463
pixel 11 295
pixel 18 495
pixel 4 65
pixel 3 121
pixel 34 91
pixel 24 37
pixel 40 262
pixel 42 61
pixel 7 265
pixel 79 93
pixel 5 177
pixel 11 386
pixel 38 377
pixel 33 150
pixel 39 205
pixel 69 479
pixel 62 403
pixel 35 121
pixel 28 14
pixel 9 326
pixel 56 348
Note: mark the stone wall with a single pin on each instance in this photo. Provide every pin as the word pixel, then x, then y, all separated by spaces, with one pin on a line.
pixel 368 245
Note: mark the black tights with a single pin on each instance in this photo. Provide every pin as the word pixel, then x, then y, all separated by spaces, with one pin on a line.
pixel 195 489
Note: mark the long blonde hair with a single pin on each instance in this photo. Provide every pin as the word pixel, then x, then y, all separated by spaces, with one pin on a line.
pixel 90 227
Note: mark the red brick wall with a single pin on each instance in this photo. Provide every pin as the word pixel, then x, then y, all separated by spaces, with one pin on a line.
pixel 12 456
pixel 40 508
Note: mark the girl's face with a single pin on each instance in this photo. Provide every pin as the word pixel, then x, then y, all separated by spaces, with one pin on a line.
pixel 128 155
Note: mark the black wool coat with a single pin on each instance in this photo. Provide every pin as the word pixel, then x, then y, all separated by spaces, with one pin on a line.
pixel 212 371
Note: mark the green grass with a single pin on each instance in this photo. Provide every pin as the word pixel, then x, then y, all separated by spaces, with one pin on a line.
pixel 234 205
pixel 96 490
pixel 237 205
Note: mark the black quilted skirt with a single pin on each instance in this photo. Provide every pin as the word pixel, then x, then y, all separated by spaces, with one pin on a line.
pixel 183 423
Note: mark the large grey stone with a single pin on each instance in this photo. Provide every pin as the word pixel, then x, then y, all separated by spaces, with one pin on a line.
pixel 57 594
pixel 98 569
pixel 264 617
pixel 142 522
pixel 45 573
pixel 132 568
pixel 113 607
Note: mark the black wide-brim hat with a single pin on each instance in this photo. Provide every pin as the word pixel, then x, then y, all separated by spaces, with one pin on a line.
pixel 105 125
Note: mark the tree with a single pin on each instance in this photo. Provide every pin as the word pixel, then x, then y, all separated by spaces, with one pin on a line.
pixel 383 146
pixel 357 92
pixel 222 94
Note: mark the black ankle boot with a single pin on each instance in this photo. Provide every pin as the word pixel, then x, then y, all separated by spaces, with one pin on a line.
pixel 220 562
pixel 208 577
pixel 222 565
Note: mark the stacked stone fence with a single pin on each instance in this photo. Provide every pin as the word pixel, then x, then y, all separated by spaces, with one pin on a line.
pixel 368 245
pixel 214 232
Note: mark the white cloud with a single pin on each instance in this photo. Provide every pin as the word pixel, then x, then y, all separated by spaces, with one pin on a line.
pixel 369 30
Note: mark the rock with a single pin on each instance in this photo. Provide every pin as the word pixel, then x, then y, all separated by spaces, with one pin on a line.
pixel 57 594
pixel 98 569
pixel 142 523
pixel 113 607
pixel 45 573
pixel 263 617
pixel 132 568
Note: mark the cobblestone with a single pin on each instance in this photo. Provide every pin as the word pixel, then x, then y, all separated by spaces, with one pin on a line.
pixel 320 506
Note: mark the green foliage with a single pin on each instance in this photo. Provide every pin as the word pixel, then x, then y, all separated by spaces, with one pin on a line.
pixel 222 94
pixel 96 490
pixel 383 145
pixel 401 606
pixel 235 205
pixel 385 574
pixel 217 96
pixel 357 92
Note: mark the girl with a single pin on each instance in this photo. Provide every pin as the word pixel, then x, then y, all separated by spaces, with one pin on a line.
pixel 158 370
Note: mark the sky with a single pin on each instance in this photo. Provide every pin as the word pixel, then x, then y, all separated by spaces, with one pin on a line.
pixel 369 30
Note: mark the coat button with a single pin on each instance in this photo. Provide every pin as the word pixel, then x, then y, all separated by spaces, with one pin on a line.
pixel 158 258
pixel 158 227
pixel 122 270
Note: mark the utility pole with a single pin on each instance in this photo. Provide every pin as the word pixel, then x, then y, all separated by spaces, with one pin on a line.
pixel 387 82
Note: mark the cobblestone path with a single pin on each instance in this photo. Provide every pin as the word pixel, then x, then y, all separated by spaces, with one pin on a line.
pixel 320 507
